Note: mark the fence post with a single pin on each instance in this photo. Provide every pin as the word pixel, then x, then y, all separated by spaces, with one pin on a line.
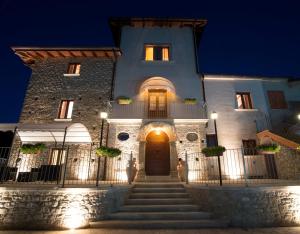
pixel 98 171
pixel 186 168
pixel 65 168
pixel 130 168
pixel 244 166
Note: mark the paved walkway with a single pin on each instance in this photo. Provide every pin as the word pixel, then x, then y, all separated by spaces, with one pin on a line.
pixel 282 230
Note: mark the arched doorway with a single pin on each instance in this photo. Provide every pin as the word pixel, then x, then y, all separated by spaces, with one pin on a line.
pixel 157 160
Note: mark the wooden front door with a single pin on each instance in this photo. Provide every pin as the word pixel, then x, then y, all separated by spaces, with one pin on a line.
pixel 157 104
pixel 157 154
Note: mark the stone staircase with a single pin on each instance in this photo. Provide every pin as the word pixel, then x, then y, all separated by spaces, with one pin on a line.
pixel 159 205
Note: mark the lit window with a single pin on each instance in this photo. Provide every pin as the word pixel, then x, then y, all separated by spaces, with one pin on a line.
pixel 74 68
pixel 57 157
pixel 149 53
pixel 244 101
pixel 157 53
pixel 65 109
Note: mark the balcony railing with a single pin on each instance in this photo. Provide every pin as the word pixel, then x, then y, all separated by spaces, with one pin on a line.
pixel 175 110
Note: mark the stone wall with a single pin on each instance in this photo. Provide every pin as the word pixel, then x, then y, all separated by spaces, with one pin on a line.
pixel 48 86
pixel 251 207
pixel 288 164
pixel 57 208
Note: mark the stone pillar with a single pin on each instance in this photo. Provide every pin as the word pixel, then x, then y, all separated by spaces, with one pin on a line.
pixel 141 167
pixel 173 159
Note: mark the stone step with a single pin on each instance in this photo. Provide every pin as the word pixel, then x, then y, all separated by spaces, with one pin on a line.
pixel 158 179
pixel 159 195
pixel 160 208
pixel 158 190
pixel 159 215
pixel 159 201
pixel 159 224
pixel 158 185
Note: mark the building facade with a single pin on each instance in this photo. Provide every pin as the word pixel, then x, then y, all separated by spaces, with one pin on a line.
pixel 158 103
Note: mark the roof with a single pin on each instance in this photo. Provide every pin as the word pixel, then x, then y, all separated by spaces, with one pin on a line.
pixel 30 54
pixel 279 139
pixel 116 24
pixel 242 77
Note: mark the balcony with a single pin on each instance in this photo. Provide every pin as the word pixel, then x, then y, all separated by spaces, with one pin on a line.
pixel 174 110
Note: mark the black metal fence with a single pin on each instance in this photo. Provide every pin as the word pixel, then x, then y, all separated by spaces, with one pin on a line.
pixel 68 166
pixel 244 166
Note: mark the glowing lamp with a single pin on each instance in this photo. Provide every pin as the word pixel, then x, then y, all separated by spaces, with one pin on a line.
pixel 214 115
pixel 103 115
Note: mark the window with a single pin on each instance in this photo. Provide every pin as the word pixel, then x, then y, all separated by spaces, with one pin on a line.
pixel 57 157
pixel 277 100
pixel 156 53
pixel 249 147
pixel 211 140
pixel 74 68
pixel 192 136
pixel 65 109
pixel 244 101
pixel 157 106
pixel 123 136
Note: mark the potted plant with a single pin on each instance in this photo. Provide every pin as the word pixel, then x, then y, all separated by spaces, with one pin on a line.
pixel 268 148
pixel 124 100
pixel 110 152
pixel 213 151
pixel 190 101
pixel 33 148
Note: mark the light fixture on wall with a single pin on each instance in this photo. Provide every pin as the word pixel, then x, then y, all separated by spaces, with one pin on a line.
pixel 157 131
pixel 298 116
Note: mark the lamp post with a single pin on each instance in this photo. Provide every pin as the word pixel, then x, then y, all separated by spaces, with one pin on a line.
pixel 214 116
pixel 103 117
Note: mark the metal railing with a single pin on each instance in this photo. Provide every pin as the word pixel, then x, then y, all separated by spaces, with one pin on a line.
pixel 244 166
pixel 175 110
pixel 68 166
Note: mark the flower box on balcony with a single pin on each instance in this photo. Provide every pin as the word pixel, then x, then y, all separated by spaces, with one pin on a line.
pixel 268 149
pixel 124 100
pixel 190 101
pixel 33 149
pixel 213 151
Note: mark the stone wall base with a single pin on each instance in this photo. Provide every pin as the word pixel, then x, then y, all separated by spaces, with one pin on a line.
pixel 57 208
pixel 251 207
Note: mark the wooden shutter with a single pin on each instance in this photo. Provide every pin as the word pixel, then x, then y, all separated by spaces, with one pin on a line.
pixel 277 100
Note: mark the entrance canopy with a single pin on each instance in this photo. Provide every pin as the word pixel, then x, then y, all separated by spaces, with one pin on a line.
pixel 57 133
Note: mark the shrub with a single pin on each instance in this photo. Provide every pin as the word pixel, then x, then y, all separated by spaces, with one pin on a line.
pixel 33 148
pixel 271 148
pixel 104 151
pixel 213 151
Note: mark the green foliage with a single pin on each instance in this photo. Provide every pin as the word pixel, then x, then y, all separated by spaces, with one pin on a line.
pixel 124 100
pixel 33 148
pixel 190 101
pixel 213 151
pixel 104 151
pixel 272 148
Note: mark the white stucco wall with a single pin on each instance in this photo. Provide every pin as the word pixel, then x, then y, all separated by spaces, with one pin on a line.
pixel 132 70
pixel 234 125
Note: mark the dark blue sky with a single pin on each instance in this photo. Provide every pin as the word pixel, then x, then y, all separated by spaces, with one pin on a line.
pixel 241 37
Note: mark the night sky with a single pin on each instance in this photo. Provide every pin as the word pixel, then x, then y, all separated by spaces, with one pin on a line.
pixel 241 37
